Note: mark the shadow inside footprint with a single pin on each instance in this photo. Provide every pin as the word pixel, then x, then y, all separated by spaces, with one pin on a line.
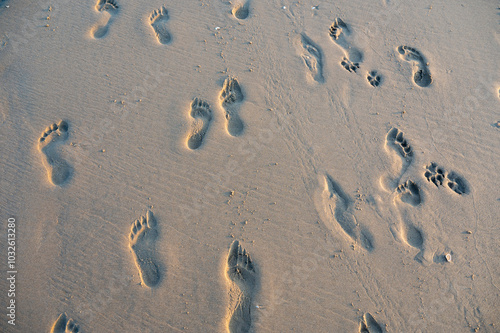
pixel 409 193
pixel 313 59
pixel 369 325
pixel 231 97
pixel 241 11
pixel 241 273
pixel 64 325
pixel 142 237
pixel 110 7
pixel 422 76
pixel 59 171
pixel 158 19
pixel 200 111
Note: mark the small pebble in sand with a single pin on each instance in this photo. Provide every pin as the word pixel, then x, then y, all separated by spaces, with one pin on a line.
pixel 447 256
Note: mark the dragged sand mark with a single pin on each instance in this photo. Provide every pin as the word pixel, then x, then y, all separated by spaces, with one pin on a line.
pixel 439 177
pixel 111 8
pixel 373 78
pixel 230 98
pixel 313 58
pixel 409 192
pixel 341 35
pixel 241 11
pixel 369 325
pixel 242 280
pixel 396 143
pixel 339 210
pixel 421 74
pixel 142 239
pixel 58 170
pixel 202 114
pixel 63 324
pixel 158 19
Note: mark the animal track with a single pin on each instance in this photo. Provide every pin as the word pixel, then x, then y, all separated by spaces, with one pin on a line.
pixel 202 114
pixel 421 75
pixel 241 11
pixel 438 176
pixel 409 193
pixel 338 208
pixel 369 325
pixel 111 8
pixel 230 98
pixel 141 240
pixel 64 325
pixel 373 78
pixel 241 278
pixel 312 56
pixel 58 170
pixel 158 19
pixel 340 34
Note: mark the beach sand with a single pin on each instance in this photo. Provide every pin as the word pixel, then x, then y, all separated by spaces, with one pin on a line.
pixel 258 166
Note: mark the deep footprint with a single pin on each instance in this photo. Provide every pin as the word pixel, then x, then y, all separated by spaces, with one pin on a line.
pixel 241 11
pixel 158 19
pixel 373 78
pixel 202 114
pixel 230 97
pixel 313 59
pixel 421 75
pixel 340 32
pixel 338 208
pixel 58 170
pixel 64 325
pixel 110 7
pixel 141 240
pixel 409 193
pixel 439 177
pixel 241 277
pixel 369 325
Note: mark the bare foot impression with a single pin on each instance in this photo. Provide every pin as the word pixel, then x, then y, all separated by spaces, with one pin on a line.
pixel 421 74
pixel 142 240
pixel 439 177
pixel 241 278
pixel 241 11
pixel 338 208
pixel 63 324
pixel 58 170
pixel 409 192
pixel 397 145
pixel 369 325
pixel 313 59
pixel 373 78
pixel 231 98
pixel 202 114
pixel 340 34
pixel 158 19
pixel 109 8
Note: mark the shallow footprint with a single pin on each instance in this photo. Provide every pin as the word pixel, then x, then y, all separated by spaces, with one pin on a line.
pixel 313 59
pixel 241 278
pixel 369 325
pixel 340 32
pixel 58 170
pixel 200 111
pixel 230 98
pixel 64 325
pixel 409 193
pixel 110 7
pixel 141 240
pixel 241 11
pixel 421 76
pixel 158 19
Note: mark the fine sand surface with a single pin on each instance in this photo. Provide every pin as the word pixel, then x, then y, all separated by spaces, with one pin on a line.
pixel 251 166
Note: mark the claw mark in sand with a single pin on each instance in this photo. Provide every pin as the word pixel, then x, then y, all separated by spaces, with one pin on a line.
pixel 338 209
pixel 340 34
pixel 230 99
pixel 141 240
pixel 64 325
pixel 158 19
pixel 202 114
pixel 110 8
pixel 421 74
pixel 58 169
pixel 241 278
pixel 369 325
pixel 313 59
